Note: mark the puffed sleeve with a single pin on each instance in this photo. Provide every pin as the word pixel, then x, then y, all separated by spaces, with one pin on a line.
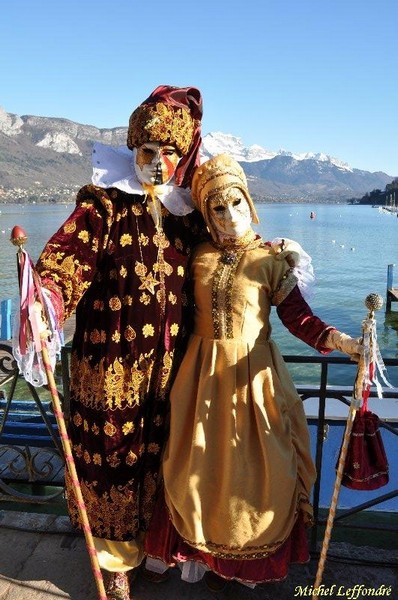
pixel 298 270
pixel 68 263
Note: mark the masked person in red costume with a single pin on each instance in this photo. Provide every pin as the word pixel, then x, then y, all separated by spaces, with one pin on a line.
pixel 237 467
pixel 119 261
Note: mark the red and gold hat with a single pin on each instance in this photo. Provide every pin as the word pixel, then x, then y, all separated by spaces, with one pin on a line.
pixel 170 115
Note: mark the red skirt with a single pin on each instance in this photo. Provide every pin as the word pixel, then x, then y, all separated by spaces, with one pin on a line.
pixel 164 543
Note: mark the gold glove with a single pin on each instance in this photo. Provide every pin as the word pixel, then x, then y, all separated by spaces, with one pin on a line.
pixel 344 343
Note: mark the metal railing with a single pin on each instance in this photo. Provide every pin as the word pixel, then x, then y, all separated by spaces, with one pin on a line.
pixel 322 391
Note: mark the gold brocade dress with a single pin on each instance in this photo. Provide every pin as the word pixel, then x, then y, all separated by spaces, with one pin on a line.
pixel 237 467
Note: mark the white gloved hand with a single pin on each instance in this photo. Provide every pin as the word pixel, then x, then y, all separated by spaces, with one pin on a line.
pixel 344 343
pixel 41 320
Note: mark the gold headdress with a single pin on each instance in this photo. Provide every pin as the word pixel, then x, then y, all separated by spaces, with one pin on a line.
pixel 214 177
pixel 161 123
pixel 170 115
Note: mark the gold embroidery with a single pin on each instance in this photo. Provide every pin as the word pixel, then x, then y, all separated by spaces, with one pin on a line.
pixel 174 329
pixel 126 240
pixel 78 448
pixel 114 515
pixel 148 496
pixel 137 209
pixel 128 427
pixel 129 333
pixel 65 272
pixel 70 227
pixel 113 460
pixel 140 269
pixel 145 298
pixel 131 458
pixel 178 244
pixel 118 386
pixel 84 236
pixel 114 303
pixel 143 239
pixel 153 448
pixel 97 460
pixel 77 420
pixel 222 295
pixel 165 373
pixel 109 429
pixel 116 337
pixel 123 272
pixel 148 330
pixel 95 336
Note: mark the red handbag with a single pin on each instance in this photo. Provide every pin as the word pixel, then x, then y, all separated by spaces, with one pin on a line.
pixel 366 465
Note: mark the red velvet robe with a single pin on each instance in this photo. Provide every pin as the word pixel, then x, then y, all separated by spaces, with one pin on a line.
pixel 126 282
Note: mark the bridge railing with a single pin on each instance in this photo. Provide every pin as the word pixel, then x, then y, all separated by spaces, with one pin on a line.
pixel 326 406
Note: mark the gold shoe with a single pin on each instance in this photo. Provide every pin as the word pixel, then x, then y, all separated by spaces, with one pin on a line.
pixel 118 587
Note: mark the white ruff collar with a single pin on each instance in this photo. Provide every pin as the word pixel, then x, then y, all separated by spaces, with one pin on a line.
pixel 114 167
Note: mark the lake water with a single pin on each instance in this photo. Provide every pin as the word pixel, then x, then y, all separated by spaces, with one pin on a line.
pixel 351 247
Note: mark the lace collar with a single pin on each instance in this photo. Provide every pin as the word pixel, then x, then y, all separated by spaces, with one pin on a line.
pixel 113 167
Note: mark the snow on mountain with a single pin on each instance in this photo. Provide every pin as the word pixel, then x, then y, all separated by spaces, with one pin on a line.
pixel 217 143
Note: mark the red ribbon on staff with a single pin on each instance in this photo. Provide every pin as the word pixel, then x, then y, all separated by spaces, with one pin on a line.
pixel 28 327
pixel 30 291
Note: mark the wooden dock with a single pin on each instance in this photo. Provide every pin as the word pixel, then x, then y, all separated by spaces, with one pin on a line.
pixel 392 292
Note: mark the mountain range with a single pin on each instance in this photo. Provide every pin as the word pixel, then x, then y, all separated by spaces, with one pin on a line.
pixel 46 158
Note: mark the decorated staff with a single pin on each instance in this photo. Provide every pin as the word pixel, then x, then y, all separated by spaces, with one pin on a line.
pixel 33 346
pixel 370 363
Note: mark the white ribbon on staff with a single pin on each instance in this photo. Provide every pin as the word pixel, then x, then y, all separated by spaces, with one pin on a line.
pixel 372 355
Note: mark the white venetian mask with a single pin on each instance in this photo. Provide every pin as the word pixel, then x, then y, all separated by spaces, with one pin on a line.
pixel 155 163
pixel 230 213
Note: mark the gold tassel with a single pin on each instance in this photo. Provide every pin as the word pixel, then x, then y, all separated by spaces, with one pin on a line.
pixel 154 204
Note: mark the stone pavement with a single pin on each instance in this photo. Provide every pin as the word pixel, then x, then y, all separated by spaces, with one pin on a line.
pixel 41 558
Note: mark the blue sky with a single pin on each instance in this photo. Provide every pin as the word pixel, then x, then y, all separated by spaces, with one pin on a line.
pixel 302 75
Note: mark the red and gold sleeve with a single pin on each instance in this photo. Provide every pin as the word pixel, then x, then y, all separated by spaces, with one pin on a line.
pixel 68 263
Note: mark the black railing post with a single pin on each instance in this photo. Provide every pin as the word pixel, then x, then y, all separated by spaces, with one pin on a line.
pixel 320 432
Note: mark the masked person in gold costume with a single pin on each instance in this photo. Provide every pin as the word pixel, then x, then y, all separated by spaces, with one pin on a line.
pixel 119 262
pixel 237 467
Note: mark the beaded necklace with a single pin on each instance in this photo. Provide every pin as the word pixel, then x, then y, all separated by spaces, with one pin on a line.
pixel 233 248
